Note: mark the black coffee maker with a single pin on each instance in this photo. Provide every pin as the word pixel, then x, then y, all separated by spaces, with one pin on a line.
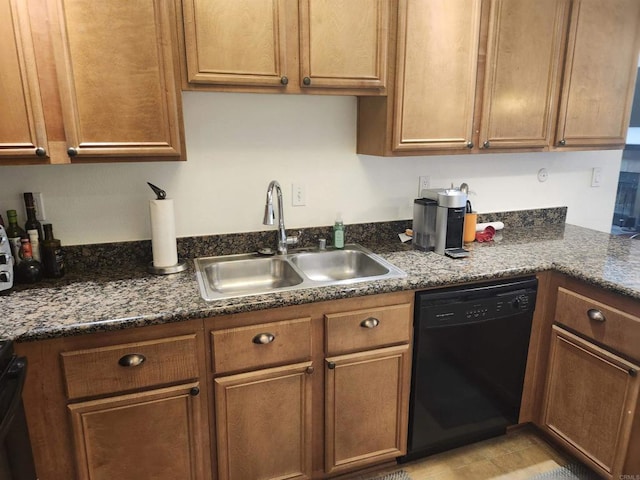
pixel 438 221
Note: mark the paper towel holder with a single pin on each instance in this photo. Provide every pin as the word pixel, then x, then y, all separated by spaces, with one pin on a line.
pixel 181 265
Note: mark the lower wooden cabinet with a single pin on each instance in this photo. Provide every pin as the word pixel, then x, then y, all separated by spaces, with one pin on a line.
pixel 263 423
pixel 311 391
pixel 155 434
pixel 591 400
pixel 365 414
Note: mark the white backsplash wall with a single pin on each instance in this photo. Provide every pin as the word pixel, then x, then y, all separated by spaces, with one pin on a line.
pixel 238 143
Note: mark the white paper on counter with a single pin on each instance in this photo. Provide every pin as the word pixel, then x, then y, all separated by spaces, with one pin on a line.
pixel 497 225
pixel 163 233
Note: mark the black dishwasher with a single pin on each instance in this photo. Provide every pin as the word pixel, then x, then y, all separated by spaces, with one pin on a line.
pixel 469 359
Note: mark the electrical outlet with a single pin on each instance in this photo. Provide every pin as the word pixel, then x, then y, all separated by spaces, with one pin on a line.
pixel 38 200
pixel 596 176
pixel 298 195
pixel 424 182
pixel 543 175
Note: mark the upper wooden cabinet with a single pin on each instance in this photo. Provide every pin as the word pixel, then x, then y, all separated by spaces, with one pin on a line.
pixel 475 76
pixel 522 73
pixel 470 76
pixel 600 71
pixel 23 134
pixel 89 82
pixel 436 74
pixel 343 43
pixel 118 79
pixel 285 45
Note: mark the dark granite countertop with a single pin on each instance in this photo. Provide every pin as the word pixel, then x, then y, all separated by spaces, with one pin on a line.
pixel 113 299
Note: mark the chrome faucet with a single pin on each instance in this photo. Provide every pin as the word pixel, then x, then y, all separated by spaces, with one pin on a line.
pixel 269 218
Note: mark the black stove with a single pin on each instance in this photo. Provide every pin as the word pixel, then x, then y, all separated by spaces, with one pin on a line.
pixel 16 459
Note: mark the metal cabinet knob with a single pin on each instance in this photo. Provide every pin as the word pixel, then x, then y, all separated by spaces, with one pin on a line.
pixel 370 322
pixel 284 80
pixel 596 315
pixel 263 338
pixel 306 81
pixel 194 392
pixel 469 145
pixel 331 365
pixel 41 152
pixel 72 152
pixel 633 372
pixel 562 142
pixel 486 144
pixel 309 370
pixel 132 360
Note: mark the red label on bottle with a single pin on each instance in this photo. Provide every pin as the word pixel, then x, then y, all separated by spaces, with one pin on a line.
pixel 26 250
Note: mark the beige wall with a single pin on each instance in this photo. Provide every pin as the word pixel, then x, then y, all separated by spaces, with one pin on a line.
pixel 237 143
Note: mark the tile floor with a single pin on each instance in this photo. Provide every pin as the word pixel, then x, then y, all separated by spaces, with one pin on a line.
pixel 518 455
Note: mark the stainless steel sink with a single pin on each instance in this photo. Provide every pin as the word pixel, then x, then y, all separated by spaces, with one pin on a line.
pixel 338 265
pixel 245 274
pixel 251 274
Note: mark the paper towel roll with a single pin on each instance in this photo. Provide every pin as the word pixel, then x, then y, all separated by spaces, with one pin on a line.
pixel 497 225
pixel 163 233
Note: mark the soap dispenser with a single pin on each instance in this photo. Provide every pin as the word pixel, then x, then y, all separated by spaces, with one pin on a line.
pixel 338 232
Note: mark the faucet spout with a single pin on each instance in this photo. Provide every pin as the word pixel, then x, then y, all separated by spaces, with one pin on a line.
pixel 269 217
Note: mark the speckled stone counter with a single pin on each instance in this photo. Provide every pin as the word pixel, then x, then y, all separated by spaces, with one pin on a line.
pixel 115 299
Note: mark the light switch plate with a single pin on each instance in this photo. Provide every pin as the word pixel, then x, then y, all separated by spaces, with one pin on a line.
pixel 298 195
pixel 596 176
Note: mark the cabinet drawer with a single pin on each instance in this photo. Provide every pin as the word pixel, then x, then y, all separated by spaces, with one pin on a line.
pixel 262 345
pixel 131 366
pixel 366 329
pixel 603 323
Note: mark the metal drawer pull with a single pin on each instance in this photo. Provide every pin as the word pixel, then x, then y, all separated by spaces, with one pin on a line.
pixel 132 360
pixel 263 338
pixel 595 315
pixel 309 370
pixel 331 365
pixel 370 322
pixel 633 372
pixel 194 391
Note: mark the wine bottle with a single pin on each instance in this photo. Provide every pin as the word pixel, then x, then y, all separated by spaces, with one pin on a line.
pixel 52 256
pixel 15 234
pixel 28 270
pixel 33 226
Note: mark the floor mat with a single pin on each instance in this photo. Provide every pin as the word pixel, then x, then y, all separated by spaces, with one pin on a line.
pixel 573 471
pixel 399 475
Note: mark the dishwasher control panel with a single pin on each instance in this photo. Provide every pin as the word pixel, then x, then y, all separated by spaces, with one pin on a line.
pixel 485 302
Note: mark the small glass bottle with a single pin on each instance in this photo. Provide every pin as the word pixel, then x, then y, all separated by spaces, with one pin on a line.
pixel 338 233
pixel 52 256
pixel 14 234
pixel 28 270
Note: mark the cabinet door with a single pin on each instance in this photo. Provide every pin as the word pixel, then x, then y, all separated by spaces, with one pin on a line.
pixel 366 407
pixel 243 42
pixel 436 74
pixel 590 401
pixel 22 128
pixel 343 43
pixel 157 434
pixel 600 70
pixel 117 74
pixel 522 75
pixel 263 422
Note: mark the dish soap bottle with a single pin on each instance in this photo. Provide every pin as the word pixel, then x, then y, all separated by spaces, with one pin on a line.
pixel 338 232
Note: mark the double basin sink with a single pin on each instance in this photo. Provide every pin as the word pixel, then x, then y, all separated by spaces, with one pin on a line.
pixel 251 274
